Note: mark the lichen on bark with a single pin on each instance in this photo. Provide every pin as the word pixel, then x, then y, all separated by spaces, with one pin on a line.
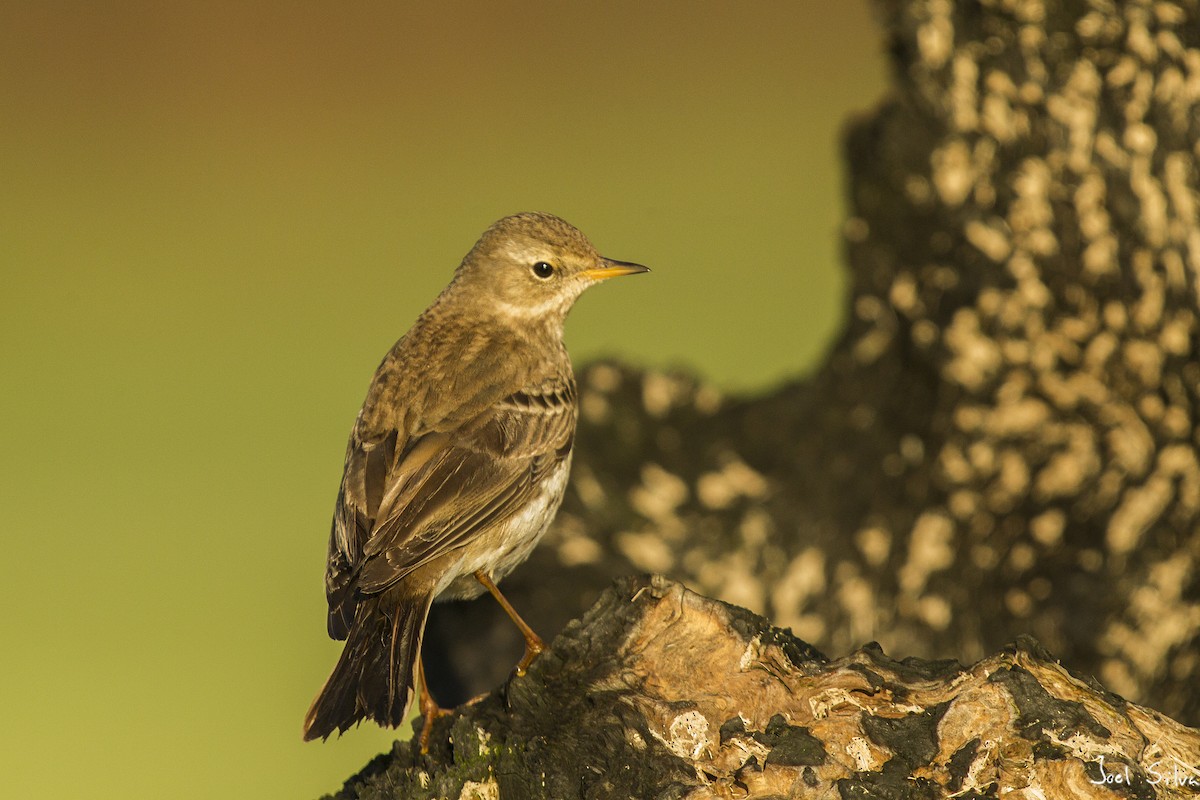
pixel 1004 439
pixel 662 693
pixel 1003 442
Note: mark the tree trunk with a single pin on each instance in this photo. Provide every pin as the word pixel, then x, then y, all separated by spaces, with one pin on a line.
pixel 1004 440
pixel 1002 443
pixel 662 693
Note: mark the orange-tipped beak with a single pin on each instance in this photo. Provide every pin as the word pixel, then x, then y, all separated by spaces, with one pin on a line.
pixel 614 269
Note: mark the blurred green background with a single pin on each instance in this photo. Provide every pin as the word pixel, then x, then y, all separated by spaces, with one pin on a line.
pixel 215 219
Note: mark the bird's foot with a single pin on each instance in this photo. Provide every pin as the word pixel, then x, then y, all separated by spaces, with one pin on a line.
pixel 432 714
pixel 430 709
pixel 533 648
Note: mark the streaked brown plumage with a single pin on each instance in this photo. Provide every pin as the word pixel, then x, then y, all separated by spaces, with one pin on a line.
pixel 458 460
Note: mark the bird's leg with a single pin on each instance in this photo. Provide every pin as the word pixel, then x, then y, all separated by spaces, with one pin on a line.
pixel 430 709
pixel 533 642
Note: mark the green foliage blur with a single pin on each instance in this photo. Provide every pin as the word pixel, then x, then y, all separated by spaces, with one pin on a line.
pixel 217 217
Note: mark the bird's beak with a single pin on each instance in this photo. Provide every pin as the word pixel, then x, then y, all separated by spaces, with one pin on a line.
pixel 613 269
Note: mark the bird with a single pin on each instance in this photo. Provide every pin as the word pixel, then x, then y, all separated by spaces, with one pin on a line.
pixel 456 465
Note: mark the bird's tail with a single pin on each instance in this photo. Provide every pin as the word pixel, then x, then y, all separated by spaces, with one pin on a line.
pixel 374 676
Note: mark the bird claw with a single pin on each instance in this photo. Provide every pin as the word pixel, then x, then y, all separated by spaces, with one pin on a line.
pixel 430 709
pixel 533 649
pixel 431 715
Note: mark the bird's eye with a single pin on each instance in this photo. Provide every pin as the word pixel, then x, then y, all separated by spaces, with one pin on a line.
pixel 543 270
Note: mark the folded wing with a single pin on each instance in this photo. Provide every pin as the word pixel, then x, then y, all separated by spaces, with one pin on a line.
pixel 441 491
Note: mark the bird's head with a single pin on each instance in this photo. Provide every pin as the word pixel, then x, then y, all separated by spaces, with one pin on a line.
pixel 531 267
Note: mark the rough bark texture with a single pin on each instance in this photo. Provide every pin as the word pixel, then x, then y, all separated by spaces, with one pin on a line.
pixel 1004 441
pixel 661 693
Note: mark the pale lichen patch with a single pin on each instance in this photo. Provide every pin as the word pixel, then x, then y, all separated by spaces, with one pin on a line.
pixel 594 407
pixel 857 598
pixel 975 355
pixel 576 551
pixel 480 790
pixel 935 611
pixel 863 755
pixel 930 550
pixel 735 578
pixel 875 544
pixel 953 173
pixel 659 494
pixel 662 392
pixel 989 239
pixel 935 36
pixel 803 579
pixel 604 377
pixel 588 487
pixel 687 736
pixel 733 480
pixel 1160 618
pixel 1047 527
pixel 646 550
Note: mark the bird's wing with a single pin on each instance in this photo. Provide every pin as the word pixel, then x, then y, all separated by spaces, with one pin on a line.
pixel 403 425
pixel 481 475
pixel 370 460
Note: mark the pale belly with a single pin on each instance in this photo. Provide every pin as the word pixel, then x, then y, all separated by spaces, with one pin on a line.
pixel 499 551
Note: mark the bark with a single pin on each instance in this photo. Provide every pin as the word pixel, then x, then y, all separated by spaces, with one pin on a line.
pixel 662 693
pixel 1004 441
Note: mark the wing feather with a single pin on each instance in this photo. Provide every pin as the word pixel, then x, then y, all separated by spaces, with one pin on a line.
pixel 403 504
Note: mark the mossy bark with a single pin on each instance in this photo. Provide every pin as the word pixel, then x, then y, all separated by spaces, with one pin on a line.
pixel 662 693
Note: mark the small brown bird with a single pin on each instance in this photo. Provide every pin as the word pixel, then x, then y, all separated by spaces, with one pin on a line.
pixel 456 464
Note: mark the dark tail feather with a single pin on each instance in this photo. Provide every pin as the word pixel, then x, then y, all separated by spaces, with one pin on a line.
pixel 374 676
